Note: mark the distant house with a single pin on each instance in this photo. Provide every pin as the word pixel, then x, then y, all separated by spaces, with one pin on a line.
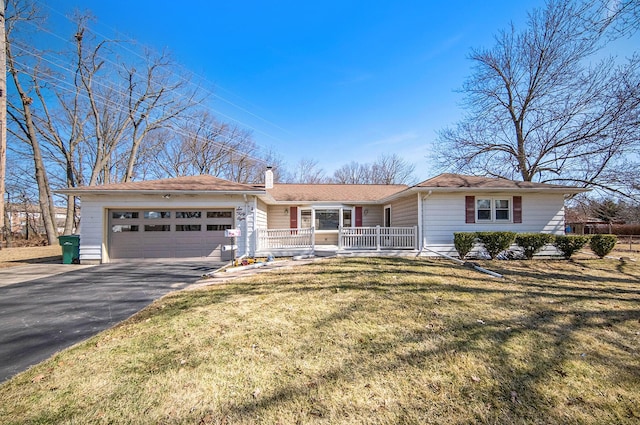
pixel 186 217
pixel 25 219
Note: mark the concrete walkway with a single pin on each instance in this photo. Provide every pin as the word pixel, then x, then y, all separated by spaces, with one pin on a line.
pixel 42 316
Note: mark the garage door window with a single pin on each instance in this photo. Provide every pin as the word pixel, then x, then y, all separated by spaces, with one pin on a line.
pixel 157 214
pixel 188 214
pixel 188 227
pixel 217 227
pixel 124 228
pixel 124 214
pixel 218 214
pixel 157 227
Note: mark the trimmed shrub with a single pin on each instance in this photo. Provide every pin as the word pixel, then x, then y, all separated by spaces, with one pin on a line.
pixel 464 242
pixel 532 242
pixel 496 242
pixel 602 245
pixel 568 244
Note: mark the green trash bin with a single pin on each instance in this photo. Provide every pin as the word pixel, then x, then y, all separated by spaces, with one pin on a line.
pixel 70 248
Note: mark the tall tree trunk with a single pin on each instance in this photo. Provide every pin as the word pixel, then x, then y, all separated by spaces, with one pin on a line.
pixel 3 122
pixel 45 198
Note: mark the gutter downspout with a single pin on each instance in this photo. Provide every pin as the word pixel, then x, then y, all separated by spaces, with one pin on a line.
pixel 255 230
pixel 421 199
pixel 467 264
pixel 246 225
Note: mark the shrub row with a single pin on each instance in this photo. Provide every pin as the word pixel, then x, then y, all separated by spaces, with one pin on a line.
pixel 497 242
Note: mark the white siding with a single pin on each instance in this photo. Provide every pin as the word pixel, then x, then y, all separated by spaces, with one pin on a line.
pixel 444 214
pixel 93 232
pixel 404 212
pixel 372 215
pixel 261 216
pixel 277 218
pixel 91 229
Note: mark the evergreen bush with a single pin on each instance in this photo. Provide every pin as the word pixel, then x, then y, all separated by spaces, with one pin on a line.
pixel 602 245
pixel 464 242
pixel 569 244
pixel 532 242
pixel 496 242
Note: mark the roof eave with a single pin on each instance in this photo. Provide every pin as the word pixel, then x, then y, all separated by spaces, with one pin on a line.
pixel 330 201
pixel 76 192
pixel 566 190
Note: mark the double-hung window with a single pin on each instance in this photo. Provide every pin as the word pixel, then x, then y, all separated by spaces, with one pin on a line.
pixel 493 209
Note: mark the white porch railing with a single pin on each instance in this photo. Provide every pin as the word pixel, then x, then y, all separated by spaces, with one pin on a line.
pixel 378 237
pixel 270 239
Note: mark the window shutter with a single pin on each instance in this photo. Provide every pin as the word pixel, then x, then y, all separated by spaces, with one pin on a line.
pixel 470 209
pixel 358 216
pixel 293 217
pixel 517 209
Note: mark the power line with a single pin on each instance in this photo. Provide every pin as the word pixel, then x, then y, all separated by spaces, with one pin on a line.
pixel 67 87
pixel 202 78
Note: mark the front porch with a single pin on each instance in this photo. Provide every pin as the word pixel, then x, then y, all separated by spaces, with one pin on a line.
pixel 351 241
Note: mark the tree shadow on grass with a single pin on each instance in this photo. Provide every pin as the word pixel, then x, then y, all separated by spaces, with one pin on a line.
pixel 54 259
pixel 536 345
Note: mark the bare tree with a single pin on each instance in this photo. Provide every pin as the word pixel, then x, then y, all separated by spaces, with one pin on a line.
pixel 387 169
pixel 3 121
pixel 353 173
pixel 125 105
pixel 88 114
pixel 307 171
pixel 204 145
pixel 21 113
pixel 542 107
pixel 391 169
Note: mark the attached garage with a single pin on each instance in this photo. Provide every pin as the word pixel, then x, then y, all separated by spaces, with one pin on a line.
pixel 166 233
pixel 177 218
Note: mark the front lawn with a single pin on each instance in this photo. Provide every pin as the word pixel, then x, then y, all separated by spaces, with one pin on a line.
pixel 381 341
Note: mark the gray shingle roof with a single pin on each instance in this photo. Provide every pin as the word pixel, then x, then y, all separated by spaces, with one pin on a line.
pixel 333 192
pixel 202 183
pixel 448 180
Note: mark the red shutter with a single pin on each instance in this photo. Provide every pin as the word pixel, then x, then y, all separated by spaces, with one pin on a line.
pixel 517 209
pixel 358 216
pixel 470 209
pixel 293 217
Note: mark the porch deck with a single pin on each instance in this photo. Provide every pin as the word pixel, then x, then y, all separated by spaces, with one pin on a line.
pixel 352 241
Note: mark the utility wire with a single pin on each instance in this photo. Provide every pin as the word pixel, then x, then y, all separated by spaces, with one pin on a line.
pixel 176 127
pixel 202 78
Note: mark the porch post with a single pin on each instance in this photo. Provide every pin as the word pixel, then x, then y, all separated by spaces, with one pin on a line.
pixel 378 237
pixel 415 236
pixel 420 222
pixel 339 237
pixel 313 239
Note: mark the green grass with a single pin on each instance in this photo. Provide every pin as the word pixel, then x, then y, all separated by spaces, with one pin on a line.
pixel 377 341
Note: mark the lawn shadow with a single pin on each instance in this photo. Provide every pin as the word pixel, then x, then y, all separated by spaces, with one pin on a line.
pixel 549 335
pixel 54 259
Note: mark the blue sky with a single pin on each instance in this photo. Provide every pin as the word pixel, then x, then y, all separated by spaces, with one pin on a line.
pixel 335 81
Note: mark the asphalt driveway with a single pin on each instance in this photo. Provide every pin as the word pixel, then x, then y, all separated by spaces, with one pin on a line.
pixel 41 317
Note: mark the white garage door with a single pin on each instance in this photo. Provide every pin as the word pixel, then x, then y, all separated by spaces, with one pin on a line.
pixel 184 233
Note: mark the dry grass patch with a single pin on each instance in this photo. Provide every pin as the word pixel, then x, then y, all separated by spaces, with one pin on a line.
pixel 11 257
pixel 361 341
